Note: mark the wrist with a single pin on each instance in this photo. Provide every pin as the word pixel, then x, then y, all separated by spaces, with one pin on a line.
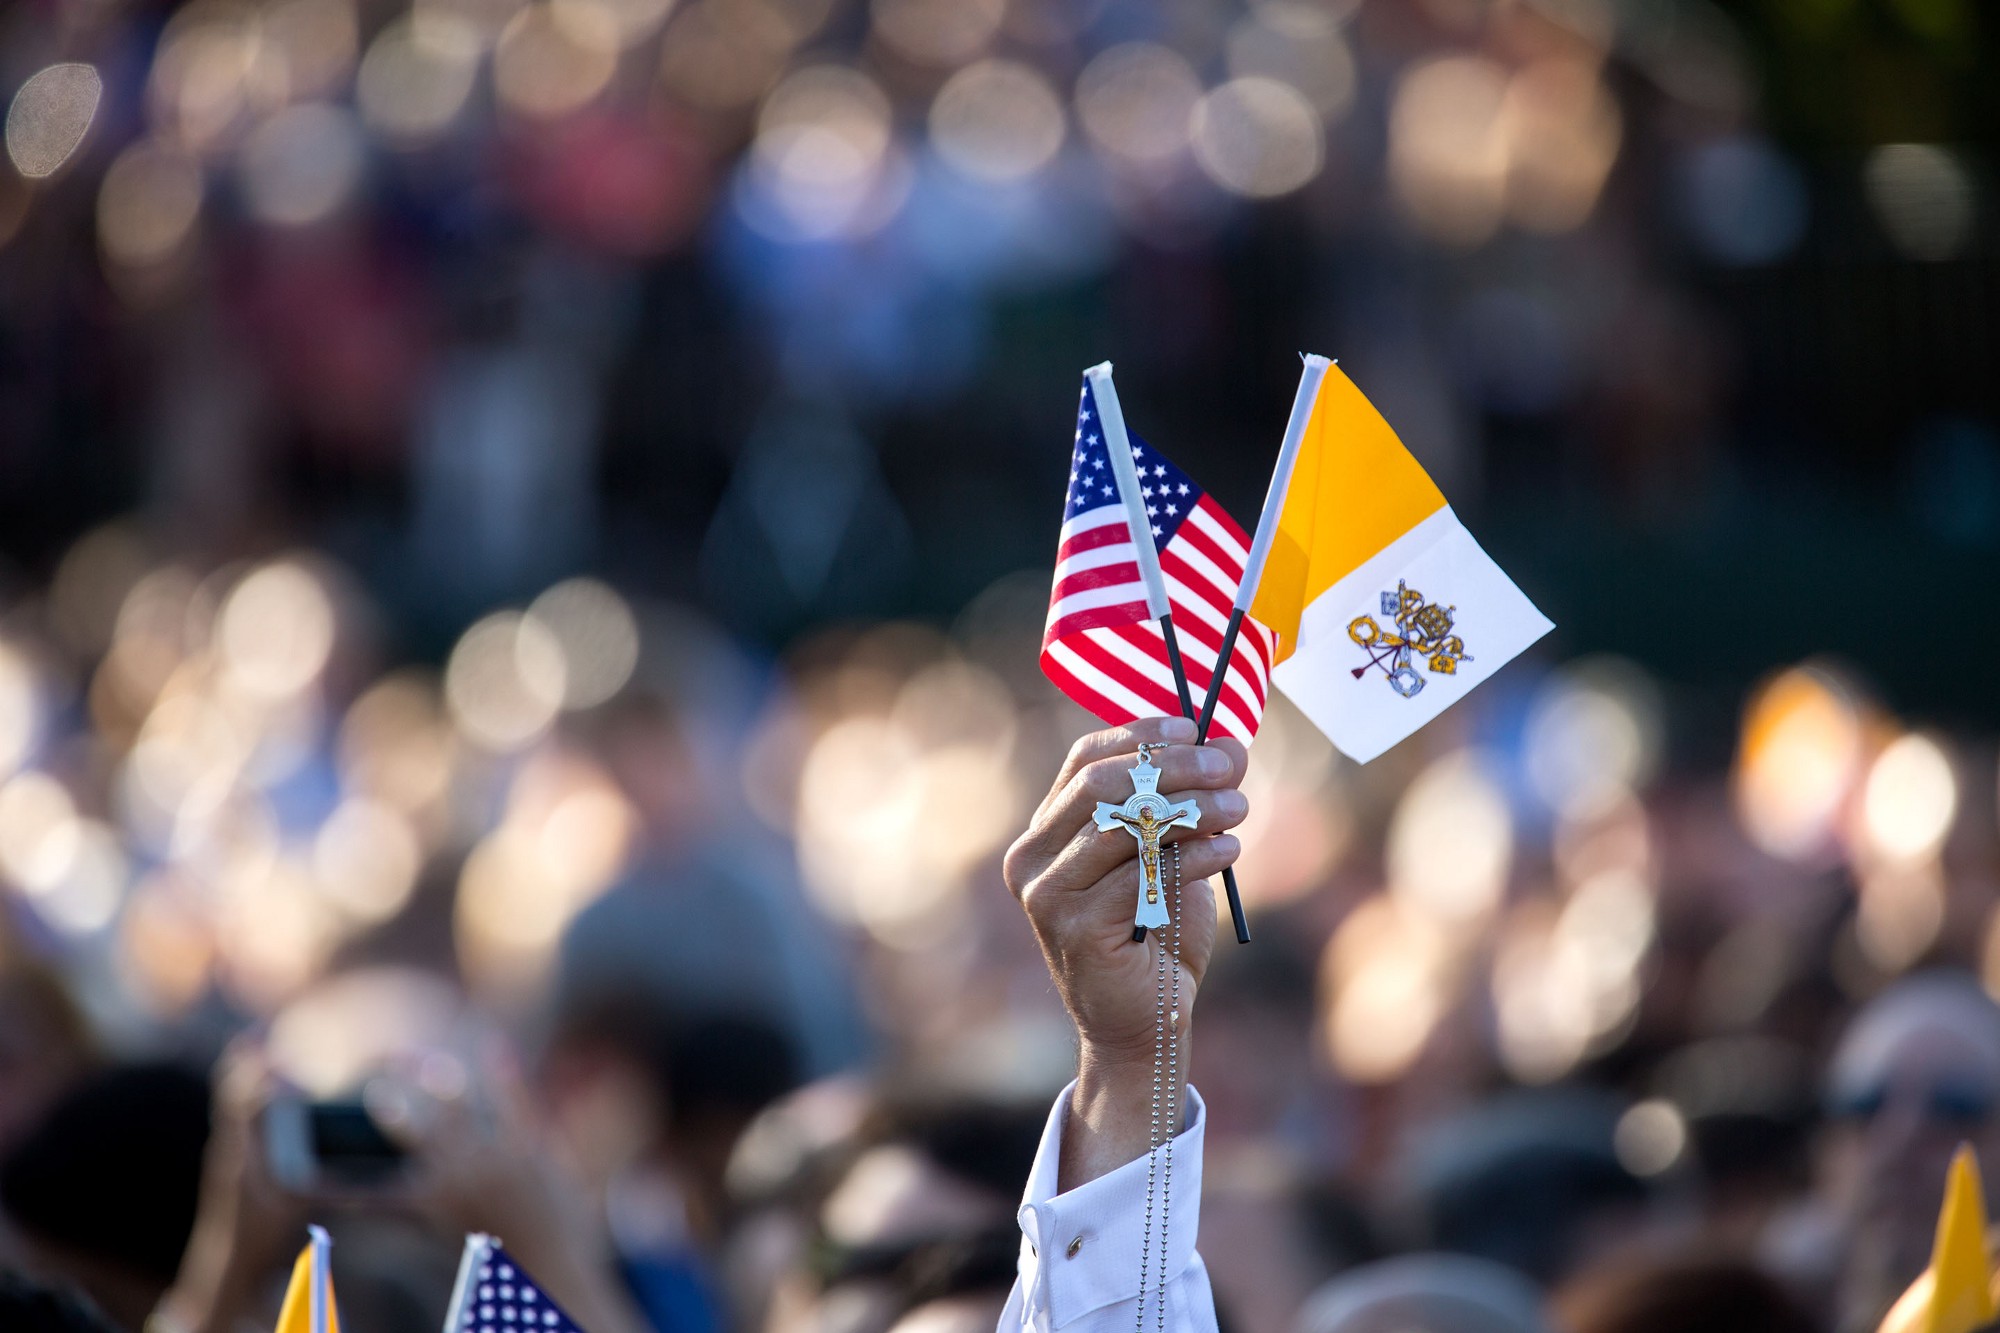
pixel 1111 1111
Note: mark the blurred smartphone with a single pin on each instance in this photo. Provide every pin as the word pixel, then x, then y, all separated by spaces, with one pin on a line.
pixel 330 1145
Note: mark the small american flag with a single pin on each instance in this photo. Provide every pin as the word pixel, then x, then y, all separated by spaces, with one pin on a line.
pixel 1101 648
pixel 494 1295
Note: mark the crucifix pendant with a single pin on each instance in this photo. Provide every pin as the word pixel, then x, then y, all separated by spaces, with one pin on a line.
pixel 1146 815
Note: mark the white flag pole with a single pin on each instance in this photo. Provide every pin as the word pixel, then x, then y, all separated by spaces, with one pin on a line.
pixel 1119 445
pixel 1111 418
pixel 1267 525
pixel 476 1246
pixel 317 1303
pixel 1281 479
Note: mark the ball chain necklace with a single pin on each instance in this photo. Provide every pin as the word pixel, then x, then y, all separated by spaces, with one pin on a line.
pixel 1166 1098
pixel 1147 816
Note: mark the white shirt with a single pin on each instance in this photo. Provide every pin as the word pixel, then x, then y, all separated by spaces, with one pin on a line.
pixel 1079 1264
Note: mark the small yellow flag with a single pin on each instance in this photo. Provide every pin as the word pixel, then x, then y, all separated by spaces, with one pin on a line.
pixel 308 1306
pixel 1954 1295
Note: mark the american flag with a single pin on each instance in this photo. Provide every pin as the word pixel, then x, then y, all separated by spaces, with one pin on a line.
pixel 1101 648
pixel 494 1296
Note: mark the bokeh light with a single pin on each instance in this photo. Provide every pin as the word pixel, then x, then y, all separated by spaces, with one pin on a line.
pixel 49 117
pixel 40 834
pixel 598 635
pixel 1136 102
pixel 1798 757
pixel 1900 912
pixel 1257 137
pixel 1448 150
pixel 148 205
pixel 1745 201
pixel 417 76
pixel 1299 45
pixel 316 39
pixel 211 70
pixel 365 859
pixel 1909 800
pixel 928 788
pixel 341 1031
pixel 514 899
pixel 1542 1024
pixel 630 21
pixel 483 20
pixel 302 164
pixel 505 681
pixel 1593 736
pixel 397 744
pixel 1384 982
pixel 165 947
pixel 1924 197
pixel 937 32
pixel 1563 131
pixel 823 140
pixel 997 120
pixel 1451 843
pixel 550 62
pixel 1650 1137
pixel 276 630
pixel 710 62
pixel 21 705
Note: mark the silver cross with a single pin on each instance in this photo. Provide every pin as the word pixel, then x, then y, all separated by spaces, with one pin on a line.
pixel 1146 815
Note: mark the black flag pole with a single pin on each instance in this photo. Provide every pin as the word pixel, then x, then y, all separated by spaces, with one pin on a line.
pixel 1222 658
pixel 1113 418
pixel 1201 738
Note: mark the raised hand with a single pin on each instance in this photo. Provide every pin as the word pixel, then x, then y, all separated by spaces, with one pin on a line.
pixel 1078 884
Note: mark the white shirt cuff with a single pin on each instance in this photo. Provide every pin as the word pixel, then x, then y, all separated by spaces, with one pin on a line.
pixel 1080 1250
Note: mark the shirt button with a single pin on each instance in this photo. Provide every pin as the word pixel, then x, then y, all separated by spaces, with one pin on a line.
pixel 1074 1246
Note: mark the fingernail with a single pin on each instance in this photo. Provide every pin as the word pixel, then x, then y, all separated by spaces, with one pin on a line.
pixel 1177 729
pixel 1227 845
pixel 1231 804
pixel 1211 763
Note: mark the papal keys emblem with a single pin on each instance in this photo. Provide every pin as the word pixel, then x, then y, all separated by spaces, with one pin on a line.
pixel 1419 631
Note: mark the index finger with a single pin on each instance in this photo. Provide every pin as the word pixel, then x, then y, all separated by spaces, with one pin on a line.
pixel 1112 741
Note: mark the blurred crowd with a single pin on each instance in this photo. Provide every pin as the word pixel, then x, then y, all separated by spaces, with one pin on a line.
pixel 689 972
pixel 506 520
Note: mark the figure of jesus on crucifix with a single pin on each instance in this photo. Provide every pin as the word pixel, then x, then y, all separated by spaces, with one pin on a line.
pixel 1147 815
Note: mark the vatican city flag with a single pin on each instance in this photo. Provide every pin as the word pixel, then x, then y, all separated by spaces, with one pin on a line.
pixel 1386 611
pixel 1955 1294
pixel 308 1306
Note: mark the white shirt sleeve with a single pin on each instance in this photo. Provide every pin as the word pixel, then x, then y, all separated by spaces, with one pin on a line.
pixel 1079 1264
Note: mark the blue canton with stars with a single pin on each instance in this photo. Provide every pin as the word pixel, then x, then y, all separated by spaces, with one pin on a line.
pixel 1168 493
pixel 505 1300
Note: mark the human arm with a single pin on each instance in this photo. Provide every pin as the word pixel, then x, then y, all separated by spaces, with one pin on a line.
pixel 1078 885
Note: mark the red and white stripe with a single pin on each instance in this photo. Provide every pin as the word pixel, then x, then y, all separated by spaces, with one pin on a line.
pixel 1103 650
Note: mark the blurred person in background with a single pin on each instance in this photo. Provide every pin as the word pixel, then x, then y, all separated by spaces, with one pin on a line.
pixel 1916 1073
pixel 1435 1293
pixel 102 1193
pixel 45 1043
pixel 710 916
pixel 1271 1238
pixel 1750 1106
pixel 1531 1179
pixel 1678 1295
pixel 650 1105
pixel 478 1161
pixel 908 1224
pixel 27 1306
